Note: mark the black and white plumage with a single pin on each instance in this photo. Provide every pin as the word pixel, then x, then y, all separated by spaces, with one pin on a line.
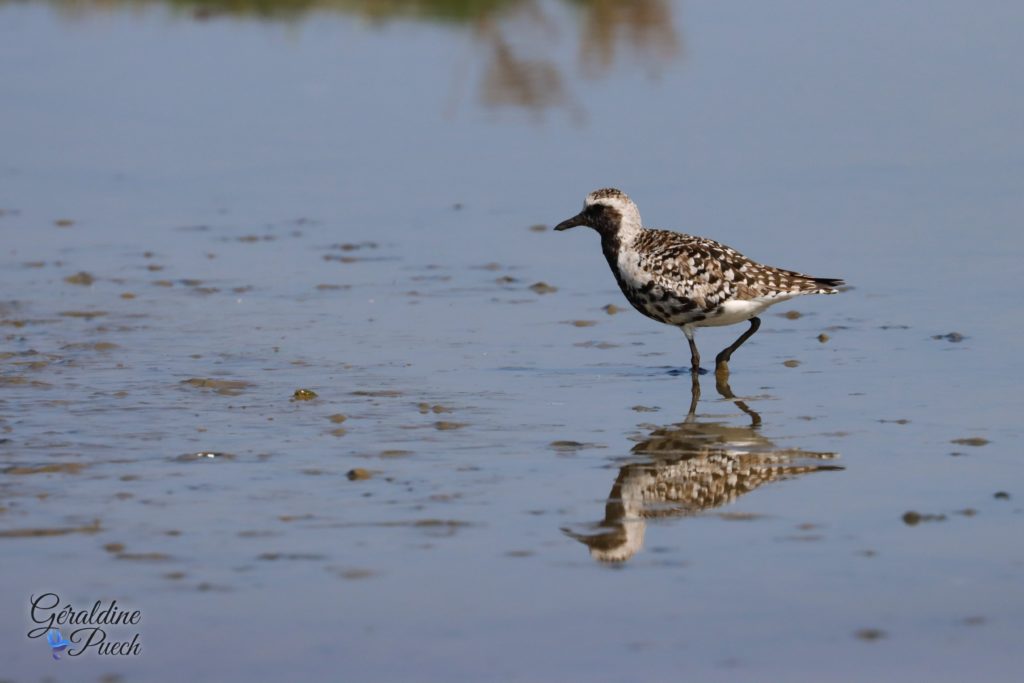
pixel 684 280
pixel 693 467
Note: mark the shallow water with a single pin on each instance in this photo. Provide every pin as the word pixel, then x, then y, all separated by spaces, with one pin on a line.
pixel 204 211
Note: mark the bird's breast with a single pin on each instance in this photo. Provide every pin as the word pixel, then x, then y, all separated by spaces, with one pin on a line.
pixel 649 294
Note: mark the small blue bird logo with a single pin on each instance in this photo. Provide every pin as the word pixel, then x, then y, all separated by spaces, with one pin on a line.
pixel 56 641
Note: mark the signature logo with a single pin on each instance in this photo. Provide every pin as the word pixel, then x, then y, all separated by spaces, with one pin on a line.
pixel 104 629
pixel 56 641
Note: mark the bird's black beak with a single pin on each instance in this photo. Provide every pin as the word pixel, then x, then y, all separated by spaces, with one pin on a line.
pixel 578 219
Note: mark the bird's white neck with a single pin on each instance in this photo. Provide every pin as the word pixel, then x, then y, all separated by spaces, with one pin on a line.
pixel 629 230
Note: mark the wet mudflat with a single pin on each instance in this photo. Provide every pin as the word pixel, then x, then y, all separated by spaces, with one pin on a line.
pixel 292 364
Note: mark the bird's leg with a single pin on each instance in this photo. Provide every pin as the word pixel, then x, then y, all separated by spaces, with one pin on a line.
pixel 722 359
pixel 694 353
pixel 722 384
pixel 694 396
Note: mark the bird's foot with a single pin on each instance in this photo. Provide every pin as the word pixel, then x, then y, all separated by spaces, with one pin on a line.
pixel 675 372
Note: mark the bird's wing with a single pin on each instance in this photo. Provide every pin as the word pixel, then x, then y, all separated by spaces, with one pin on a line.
pixel 710 273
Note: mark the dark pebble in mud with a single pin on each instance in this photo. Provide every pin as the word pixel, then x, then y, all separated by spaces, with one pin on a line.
pixel 954 337
pixel 740 516
pixel 355 246
pixel 823 337
pixel 144 557
pixel 580 323
pixel 395 453
pixel 92 528
pixel 224 387
pixel 295 518
pixel 304 395
pixel 436 408
pixel 1001 495
pixel 354 574
pixel 204 455
pixel 207 587
pixel 645 409
pixel 611 309
pixel 570 446
pixel 341 259
pixel 337 418
pixel 595 345
pixel 272 557
pixel 85 346
pixel 791 315
pixel 543 288
pixel 80 278
pixel 64 467
pixel 539 227
pixel 791 363
pixel 912 518
pixel 88 315
pixel 358 474
pixel 971 441
pixel 63 222
pixel 870 634
pixel 444 425
pixel 450 524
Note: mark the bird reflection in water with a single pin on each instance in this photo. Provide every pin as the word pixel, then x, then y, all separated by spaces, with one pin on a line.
pixel 688 468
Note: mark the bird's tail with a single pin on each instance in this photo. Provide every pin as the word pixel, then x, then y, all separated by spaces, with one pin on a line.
pixel 808 284
pixel 830 284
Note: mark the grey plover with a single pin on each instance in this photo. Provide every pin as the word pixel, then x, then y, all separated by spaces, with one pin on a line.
pixel 684 280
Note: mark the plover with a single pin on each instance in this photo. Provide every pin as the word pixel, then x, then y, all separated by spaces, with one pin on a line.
pixel 684 280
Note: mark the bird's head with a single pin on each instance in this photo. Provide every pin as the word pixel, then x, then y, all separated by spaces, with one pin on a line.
pixel 609 211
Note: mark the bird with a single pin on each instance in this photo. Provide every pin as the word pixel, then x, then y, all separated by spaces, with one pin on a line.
pixel 684 280
pixel 685 469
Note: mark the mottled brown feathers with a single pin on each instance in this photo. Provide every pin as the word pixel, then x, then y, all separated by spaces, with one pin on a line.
pixel 684 280
pixel 710 273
